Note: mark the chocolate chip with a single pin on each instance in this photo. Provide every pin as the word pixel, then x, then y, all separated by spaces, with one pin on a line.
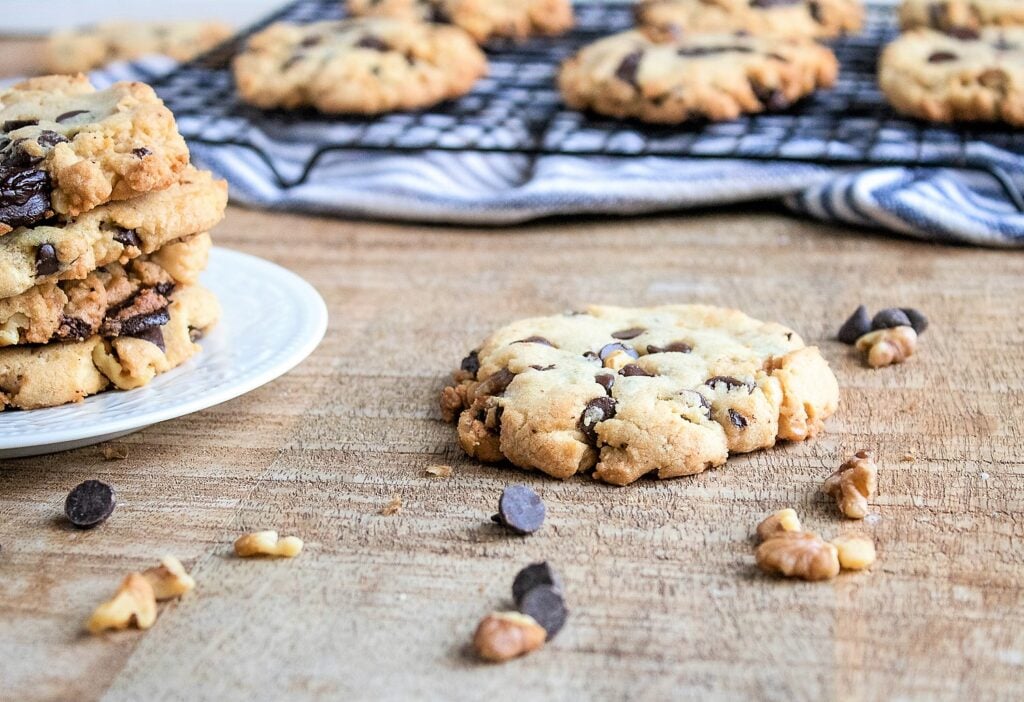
pixel 890 317
pixel 730 383
pixel 917 320
pixel 61 118
pixel 543 368
pixel 606 381
pixel 89 504
pixel 626 334
pixel 772 98
pixel 700 399
pixel 737 419
pixel 128 237
pixel 165 288
pixel 12 124
pixel 634 370
pixel 24 193
pixel 50 138
pixel 520 509
pixel 814 8
pixel 141 152
pixel 855 327
pixel 942 57
pixel 46 260
pixel 608 349
pixel 964 33
pixel 471 363
pixel 154 335
pixel 74 329
pixel 138 325
pixel 495 384
pixel 547 606
pixel 371 42
pixel 534 340
pixel 597 410
pixel 674 347
pixel 629 67
pixel 534 575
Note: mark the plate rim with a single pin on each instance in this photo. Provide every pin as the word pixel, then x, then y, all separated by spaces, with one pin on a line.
pixel 139 421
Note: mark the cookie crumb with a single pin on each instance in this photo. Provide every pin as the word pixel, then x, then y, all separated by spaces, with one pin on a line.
pixel 267 543
pixel 439 471
pixel 134 604
pixel 908 458
pixel 502 636
pixel 394 506
pixel 854 484
pixel 115 452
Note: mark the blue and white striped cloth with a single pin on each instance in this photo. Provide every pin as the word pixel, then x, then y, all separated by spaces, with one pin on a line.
pixel 934 204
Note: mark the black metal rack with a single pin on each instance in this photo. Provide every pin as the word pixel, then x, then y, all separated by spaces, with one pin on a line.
pixel 517 109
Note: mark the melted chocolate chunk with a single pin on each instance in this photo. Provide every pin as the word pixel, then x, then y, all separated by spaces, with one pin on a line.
pixel 729 382
pixel 471 363
pixel 12 124
pixel 737 419
pixel 128 237
pixel 60 119
pixel 46 260
pixel 634 370
pixel 50 138
pixel 597 410
pixel 629 66
pixel 606 381
pixel 942 57
pixel 139 324
pixel 141 152
pixel 154 335
pixel 674 347
pixel 626 334
pixel 495 384
pixel 24 191
pixel 74 329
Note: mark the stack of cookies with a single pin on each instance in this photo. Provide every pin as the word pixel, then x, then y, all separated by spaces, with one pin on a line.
pixel 104 229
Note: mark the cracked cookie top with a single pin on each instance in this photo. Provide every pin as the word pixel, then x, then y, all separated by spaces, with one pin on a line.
pixel 666 390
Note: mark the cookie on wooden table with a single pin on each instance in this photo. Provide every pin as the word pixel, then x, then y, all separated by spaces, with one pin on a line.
pixel 673 79
pixel 968 77
pixel 953 15
pixel 791 18
pixel 358 66
pixel 668 391
pixel 483 19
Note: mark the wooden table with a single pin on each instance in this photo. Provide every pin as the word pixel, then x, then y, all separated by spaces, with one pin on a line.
pixel 666 602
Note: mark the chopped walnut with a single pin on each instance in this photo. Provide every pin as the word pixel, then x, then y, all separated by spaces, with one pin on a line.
pixel 454 399
pixel 169 579
pixel 501 636
pixel 267 543
pixel 855 552
pixel 394 506
pixel 782 521
pixel 887 346
pixel 798 554
pixel 439 471
pixel 133 604
pixel 854 484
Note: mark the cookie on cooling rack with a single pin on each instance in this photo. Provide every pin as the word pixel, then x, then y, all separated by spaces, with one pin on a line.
pixel 483 19
pixel 713 76
pixel 790 18
pixel 357 66
pixel 967 77
pixel 669 390
pixel 953 15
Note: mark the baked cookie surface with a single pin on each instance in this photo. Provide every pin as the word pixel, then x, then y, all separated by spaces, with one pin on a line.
pixel 666 390
pixel 674 79
pixel 113 233
pixel 32 377
pixel 358 66
pixel 961 14
pixel 483 19
pixel 789 18
pixel 943 78
pixel 86 48
pixel 66 148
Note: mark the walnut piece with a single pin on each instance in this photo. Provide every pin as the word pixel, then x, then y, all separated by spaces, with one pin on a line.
pixel 887 346
pixel 133 604
pixel 782 521
pixel 854 484
pixel 394 506
pixel 267 543
pixel 169 579
pixel 798 554
pixel 855 552
pixel 501 636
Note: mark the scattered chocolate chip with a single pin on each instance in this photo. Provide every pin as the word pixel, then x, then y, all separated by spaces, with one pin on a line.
pixel 626 334
pixel 633 369
pixel 737 419
pixel 127 237
pixel 917 320
pixel 12 124
pixel 534 575
pixel 855 327
pixel 942 57
pixel 608 349
pixel 730 383
pixel 471 363
pixel 46 260
pixel 89 504
pixel 629 66
pixel 371 42
pixel 890 317
pixel 674 347
pixel 606 381
pixel 547 606
pixel 61 118
pixel 141 152
pixel 597 410
pixel 534 340
pixel 520 509
pixel 50 138
pixel 495 384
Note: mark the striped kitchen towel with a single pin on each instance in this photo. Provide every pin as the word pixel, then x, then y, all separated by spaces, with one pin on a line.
pixel 933 204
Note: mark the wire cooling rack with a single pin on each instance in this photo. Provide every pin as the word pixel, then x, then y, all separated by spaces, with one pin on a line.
pixel 517 109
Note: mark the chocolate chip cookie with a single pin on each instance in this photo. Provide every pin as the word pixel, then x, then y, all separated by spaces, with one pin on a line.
pixel 953 15
pixel 945 78
pixel 667 391
pixel 129 356
pixel 360 66
pixel 789 18
pixel 86 48
pixel 66 148
pixel 113 233
pixel 483 19
pixel 673 79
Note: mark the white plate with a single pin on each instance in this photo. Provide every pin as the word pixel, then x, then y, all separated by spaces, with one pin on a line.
pixel 272 320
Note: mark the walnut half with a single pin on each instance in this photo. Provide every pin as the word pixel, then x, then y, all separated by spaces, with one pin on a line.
pixel 854 484
pixel 798 554
pixel 778 522
pixel 134 603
